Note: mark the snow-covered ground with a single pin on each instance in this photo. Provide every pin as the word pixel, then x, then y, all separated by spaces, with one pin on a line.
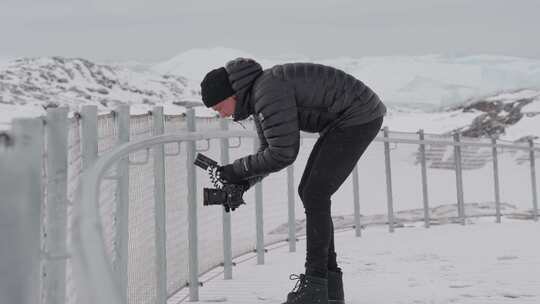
pixel 481 262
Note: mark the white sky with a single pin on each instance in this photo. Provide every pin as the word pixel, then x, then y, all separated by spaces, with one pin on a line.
pixel 153 31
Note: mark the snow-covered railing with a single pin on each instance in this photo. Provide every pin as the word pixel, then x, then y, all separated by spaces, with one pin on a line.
pixel 124 169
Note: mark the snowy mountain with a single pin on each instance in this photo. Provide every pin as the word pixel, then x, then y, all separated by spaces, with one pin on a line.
pixel 438 93
pixel 426 92
pixel 512 115
pixel 28 86
pixel 440 80
pixel 427 82
pixel 195 63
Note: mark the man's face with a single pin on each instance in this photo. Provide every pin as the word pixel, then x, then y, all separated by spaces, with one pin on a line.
pixel 226 107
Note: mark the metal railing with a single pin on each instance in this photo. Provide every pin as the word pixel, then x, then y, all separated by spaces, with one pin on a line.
pixel 102 279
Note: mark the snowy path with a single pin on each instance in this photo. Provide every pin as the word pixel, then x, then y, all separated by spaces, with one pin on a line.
pixel 481 262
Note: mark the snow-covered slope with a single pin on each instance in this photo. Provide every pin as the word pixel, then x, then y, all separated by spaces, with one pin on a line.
pixel 439 80
pixel 27 86
pixel 512 115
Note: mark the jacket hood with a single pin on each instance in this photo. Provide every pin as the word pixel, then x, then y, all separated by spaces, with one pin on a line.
pixel 242 74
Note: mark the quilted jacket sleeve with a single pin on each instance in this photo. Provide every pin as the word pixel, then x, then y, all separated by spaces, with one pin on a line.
pixel 262 145
pixel 277 115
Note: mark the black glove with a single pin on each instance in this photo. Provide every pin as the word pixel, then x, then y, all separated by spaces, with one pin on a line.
pixel 227 175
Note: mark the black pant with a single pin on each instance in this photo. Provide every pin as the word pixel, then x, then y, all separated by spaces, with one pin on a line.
pixel 332 159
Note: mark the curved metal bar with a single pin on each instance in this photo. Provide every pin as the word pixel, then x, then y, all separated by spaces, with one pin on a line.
pixel 93 273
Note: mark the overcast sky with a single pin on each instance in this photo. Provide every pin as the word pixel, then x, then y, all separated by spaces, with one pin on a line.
pixel 157 30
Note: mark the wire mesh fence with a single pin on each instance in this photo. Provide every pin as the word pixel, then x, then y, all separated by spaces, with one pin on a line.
pixel 476 174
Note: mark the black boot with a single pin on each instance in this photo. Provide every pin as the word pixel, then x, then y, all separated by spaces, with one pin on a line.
pixel 335 287
pixel 308 290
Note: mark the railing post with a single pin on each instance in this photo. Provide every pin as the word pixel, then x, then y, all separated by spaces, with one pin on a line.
pixel 160 208
pixel 122 204
pixel 459 178
pixel 192 211
pixel 424 178
pixel 20 214
pixel 356 202
pixel 55 232
pixel 291 209
pixel 496 178
pixel 259 214
pixel 89 142
pixel 226 216
pixel 533 180
pixel 388 181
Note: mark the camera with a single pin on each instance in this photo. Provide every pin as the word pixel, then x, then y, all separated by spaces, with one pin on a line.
pixel 225 194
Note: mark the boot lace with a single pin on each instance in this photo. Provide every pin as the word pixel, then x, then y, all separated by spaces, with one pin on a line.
pixel 300 279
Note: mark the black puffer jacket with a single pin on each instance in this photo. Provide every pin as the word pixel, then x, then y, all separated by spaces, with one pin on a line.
pixel 292 97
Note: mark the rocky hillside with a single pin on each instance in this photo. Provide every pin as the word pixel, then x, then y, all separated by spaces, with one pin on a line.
pixel 499 114
pixel 55 81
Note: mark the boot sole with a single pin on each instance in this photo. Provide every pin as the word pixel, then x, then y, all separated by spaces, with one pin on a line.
pixel 336 302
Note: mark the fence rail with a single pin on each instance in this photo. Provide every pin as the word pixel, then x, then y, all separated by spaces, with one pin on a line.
pixel 81 244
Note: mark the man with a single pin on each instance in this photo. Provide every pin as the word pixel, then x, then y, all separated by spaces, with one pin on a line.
pixel 283 101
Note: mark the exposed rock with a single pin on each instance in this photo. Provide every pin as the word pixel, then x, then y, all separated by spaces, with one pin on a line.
pixel 59 81
pixel 496 117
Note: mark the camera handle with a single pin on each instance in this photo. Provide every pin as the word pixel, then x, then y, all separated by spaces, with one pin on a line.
pixel 233 194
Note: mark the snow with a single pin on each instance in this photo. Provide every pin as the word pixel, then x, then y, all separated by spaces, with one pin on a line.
pixel 27 86
pixel 511 97
pixel 195 63
pixel 413 87
pixel 429 80
pixel 527 125
pixel 440 80
pixel 4 61
pixel 481 262
pixel 430 122
pixel 9 112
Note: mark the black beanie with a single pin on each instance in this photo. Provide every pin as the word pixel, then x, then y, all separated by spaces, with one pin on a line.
pixel 216 87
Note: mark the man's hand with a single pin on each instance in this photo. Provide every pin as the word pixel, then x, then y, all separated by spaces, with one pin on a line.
pixel 227 175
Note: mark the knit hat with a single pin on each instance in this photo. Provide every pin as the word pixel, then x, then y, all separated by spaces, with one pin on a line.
pixel 216 87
